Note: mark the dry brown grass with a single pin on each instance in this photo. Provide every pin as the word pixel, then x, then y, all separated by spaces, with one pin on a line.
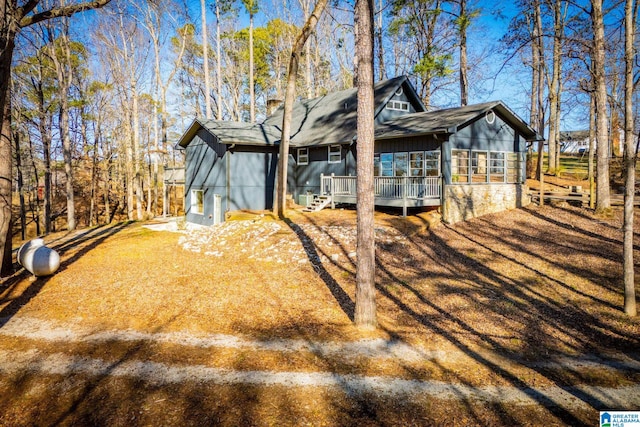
pixel 495 295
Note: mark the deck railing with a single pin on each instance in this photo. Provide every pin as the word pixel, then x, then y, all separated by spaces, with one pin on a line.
pixel 400 187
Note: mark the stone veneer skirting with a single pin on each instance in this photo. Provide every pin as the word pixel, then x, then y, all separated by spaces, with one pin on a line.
pixel 462 202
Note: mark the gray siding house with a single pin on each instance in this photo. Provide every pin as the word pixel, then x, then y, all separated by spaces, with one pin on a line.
pixel 468 161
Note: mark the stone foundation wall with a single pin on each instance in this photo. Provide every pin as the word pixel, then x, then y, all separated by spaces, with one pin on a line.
pixel 462 202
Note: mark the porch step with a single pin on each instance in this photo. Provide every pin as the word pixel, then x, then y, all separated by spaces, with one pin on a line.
pixel 319 203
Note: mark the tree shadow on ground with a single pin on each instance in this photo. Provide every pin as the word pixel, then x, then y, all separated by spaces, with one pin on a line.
pixel 86 241
pixel 342 298
pixel 526 301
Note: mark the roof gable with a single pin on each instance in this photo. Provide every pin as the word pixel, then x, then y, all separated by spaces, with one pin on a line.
pixel 449 120
pixel 331 119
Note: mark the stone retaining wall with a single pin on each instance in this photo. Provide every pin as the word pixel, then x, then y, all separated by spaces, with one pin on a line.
pixel 462 202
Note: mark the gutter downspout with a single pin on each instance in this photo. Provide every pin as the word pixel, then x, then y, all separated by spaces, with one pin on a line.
pixel 228 176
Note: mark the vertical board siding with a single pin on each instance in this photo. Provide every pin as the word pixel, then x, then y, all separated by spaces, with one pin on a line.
pixel 205 170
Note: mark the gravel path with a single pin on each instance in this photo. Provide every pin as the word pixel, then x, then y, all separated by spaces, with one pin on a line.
pixel 154 373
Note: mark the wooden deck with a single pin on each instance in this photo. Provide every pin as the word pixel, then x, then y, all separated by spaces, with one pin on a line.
pixel 403 192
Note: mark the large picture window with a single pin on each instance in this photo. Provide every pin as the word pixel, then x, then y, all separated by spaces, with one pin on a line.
pixel 197 202
pixel 335 154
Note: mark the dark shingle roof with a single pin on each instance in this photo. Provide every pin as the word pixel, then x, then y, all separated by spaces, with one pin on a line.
pixel 229 132
pixel 449 121
pixel 331 119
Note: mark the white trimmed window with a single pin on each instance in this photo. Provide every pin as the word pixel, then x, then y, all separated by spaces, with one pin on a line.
pixel 400 164
pixel 398 105
pixel 303 156
pixel 335 154
pixel 432 163
pixel 416 163
pixel 197 202
pixel 513 168
pixel 479 166
pixel 386 164
pixel 496 167
pixel 460 165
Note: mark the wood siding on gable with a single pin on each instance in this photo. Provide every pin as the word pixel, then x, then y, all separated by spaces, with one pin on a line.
pixel 244 177
pixel 386 114
pixel 205 171
pixel 482 135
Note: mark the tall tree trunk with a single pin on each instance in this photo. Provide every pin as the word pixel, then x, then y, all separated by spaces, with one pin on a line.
pixel 464 81
pixel 554 87
pixel 306 6
pixel 64 72
pixel 365 307
pixel 205 56
pixel 23 210
pixel 252 95
pixel 629 164
pixel 382 75
pixel 279 207
pixel 11 20
pixel 8 32
pixel 538 71
pixel 603 202
pixel 137 174
pixel 533 108
pixel 218 62
pixel 36 214
pixel 592 150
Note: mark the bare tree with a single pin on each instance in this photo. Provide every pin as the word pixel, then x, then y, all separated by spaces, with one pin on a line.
pixel 554 86
pixel 279 207
pixel 252 9
pixel 365 307
pixel 60 54
pixel 205 55
pixel 629 162
pixel 16 17
pixel 603 202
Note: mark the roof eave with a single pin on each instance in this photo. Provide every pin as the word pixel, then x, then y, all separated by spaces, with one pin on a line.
pixel 447 131
pixel 191 131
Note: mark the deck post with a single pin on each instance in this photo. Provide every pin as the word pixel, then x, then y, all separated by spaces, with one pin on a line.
pixel 404 195
pixel 322 184
pixel 333 204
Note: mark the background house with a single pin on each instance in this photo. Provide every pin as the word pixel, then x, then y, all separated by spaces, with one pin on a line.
pixel 467 160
